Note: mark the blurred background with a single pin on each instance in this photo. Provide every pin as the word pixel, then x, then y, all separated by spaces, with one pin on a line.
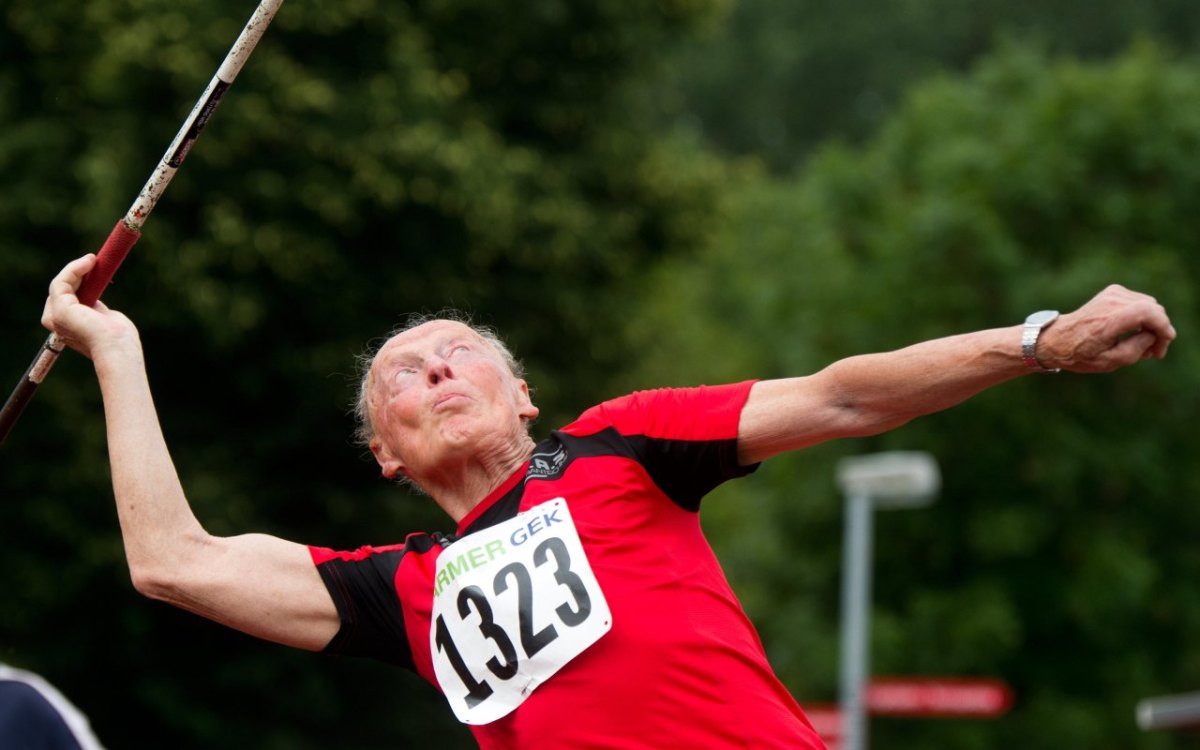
pixel 636 194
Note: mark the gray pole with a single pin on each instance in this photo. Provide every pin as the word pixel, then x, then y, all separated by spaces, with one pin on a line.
pixel 896 479
pixel 856 617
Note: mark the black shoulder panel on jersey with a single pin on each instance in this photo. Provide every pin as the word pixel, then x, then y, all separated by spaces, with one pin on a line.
pixel 364 591
pixel 687 470
pixel 606 442
pixel 558 451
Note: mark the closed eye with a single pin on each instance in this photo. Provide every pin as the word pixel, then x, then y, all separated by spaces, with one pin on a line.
pixel 403 372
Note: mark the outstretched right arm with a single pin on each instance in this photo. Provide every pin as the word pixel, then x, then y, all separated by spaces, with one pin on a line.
pixel 259 584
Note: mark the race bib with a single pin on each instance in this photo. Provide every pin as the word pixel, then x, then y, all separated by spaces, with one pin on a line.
pixel 512 604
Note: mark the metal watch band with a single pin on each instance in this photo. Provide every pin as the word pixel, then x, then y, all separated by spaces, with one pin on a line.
pixel 1034 325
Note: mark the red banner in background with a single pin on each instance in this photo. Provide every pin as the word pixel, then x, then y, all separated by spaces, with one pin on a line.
pixel 948 697
pixel 918 698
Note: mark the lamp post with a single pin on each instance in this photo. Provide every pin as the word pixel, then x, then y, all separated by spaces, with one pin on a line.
pixel 1177 712
pixel 896 479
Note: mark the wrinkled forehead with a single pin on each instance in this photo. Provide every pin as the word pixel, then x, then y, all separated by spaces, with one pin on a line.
pixel 413 343
pixel 426 334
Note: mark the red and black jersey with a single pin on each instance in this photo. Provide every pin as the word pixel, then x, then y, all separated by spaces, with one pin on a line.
pixel 681 666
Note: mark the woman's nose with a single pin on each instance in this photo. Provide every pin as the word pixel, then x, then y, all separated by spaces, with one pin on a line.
pixel 438 369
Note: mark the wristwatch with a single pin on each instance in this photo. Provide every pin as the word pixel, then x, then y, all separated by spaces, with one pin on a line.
pixel 1034 325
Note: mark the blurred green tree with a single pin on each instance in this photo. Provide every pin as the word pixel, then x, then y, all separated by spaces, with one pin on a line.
pixel 780 77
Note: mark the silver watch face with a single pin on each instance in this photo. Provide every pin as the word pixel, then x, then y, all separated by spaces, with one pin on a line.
pixel 1041 318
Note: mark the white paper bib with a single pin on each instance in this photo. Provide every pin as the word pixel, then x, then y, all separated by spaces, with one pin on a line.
pixel 512 604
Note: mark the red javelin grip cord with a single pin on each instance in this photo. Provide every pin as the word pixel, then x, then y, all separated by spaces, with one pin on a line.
pixel 108 260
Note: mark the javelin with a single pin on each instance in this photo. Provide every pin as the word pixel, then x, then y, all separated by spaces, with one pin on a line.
pixel 128 230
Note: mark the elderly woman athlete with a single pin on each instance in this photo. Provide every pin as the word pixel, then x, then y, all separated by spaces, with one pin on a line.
pixel 576 603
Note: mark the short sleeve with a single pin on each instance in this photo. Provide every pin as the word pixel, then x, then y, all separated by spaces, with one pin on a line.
pixel 362 586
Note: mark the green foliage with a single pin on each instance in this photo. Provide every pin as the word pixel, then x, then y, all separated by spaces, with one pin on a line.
pixel 781 77
pixel 1061 556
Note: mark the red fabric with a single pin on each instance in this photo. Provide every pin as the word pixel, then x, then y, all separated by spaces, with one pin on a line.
pixel 703 413
pixel 322 555
pixel 682 666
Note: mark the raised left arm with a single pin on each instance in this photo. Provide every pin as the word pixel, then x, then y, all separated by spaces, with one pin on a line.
pixel 874 393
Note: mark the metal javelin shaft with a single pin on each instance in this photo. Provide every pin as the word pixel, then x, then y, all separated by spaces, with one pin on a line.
pixel 127 230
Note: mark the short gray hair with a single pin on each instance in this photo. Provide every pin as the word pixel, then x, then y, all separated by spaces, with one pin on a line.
pixel 364 431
